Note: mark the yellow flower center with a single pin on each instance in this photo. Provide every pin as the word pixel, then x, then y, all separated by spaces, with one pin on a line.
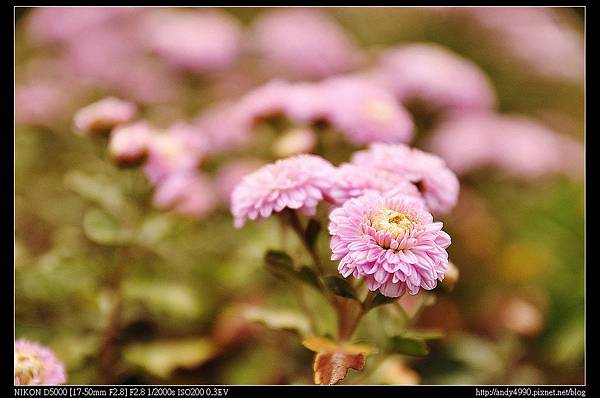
pixel 392 221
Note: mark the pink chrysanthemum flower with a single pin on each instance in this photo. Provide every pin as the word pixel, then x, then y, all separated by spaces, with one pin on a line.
pixel 187 193
pixel 128 144
pixel 36 364
pixel 203 41
pixel 392 242
pixel 299 182
pixel 437 77
pixel 104 115
pixel 365 112
pixel 303 43
pixel 436 182
pixel 352 181
pixel 180 149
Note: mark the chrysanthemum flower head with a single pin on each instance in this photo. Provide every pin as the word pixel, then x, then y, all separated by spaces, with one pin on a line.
pixel 391 241
pixel 299 182
pixel 36 364
pixel 436 182
pixel 352 181
pixel 104 115
pixel 231 174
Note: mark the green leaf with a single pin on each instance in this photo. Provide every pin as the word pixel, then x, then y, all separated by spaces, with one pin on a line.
pixel 408 346
pixel 279 263
pixel 312 232
pixel 96 189
pixel 162 357
pixel 308 276
pixel 278 258
pixel 101 227
pixel 380 299
pixel 340 287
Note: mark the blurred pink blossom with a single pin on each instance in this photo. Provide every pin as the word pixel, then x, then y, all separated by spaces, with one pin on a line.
pixel 225 126
pixel 362 111
pixel 545 38
pixel 365 112
pixel 40 103
pixel 47 25
pixel 516 144
pixel 187 193
pixel 104 115
pixel 436 76
pixel 177 150
pixel 200 40
pixel 129 143
pixel 303 43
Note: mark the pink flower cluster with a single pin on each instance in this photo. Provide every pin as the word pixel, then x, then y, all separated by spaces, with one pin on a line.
pixel 383 230
pixel 36 364
pixel 518 145
pixel 391 241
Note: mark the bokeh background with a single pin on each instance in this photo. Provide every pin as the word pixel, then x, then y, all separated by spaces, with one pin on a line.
pixel 197 305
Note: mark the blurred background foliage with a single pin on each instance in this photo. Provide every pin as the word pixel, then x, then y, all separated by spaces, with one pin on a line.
pixel 198 306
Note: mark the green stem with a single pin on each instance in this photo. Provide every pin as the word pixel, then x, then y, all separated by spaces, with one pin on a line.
pixel 296 225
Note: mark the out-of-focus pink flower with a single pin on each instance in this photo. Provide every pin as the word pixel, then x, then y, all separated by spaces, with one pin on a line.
pixel 365 112
pixel 518 145
pixel 180 149
pixel 232 174
pixel 436 182
pixel 294 142
pixel 129 143
pixel 40 103
pixel 199 41
pixel 298 183
pixel 435 76
pixel 225 127
pixel 187 193
pixel 392 242
pixel 352 181
pixel 66 24
pixel 545 38
pixel 104 115
pixel 36 364
pixel 303 43
pixel 362 111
